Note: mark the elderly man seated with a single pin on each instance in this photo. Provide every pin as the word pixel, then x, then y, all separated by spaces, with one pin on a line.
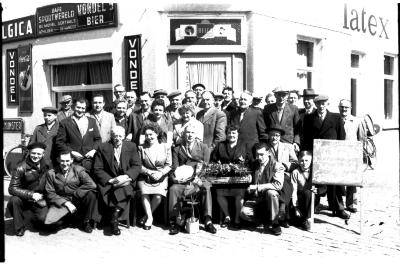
pixel 190 153
pixel 116 167
pixel 27 188
pixel 262 202
pixel 71 187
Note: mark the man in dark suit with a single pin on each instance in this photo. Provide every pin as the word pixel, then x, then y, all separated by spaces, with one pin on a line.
pixel 46 133
pixel 323 124
pixel 309 107
pixel 229 104
pixel 27 188
pixel 213 120
pixel 79 135
pixel 249 120
pixel 65 109
pixel 116 167
pixel 136 119
pixel 191 152
pixel 284 115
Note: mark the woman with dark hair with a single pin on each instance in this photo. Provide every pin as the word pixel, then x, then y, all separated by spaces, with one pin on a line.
pixel 156 164
pixel 188 117
pixel 229 151
pixel 158 117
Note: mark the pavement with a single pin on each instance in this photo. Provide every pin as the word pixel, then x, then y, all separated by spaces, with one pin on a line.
pixel 329 240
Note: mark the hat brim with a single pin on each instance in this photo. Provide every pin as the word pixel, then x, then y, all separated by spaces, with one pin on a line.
pixel 276 129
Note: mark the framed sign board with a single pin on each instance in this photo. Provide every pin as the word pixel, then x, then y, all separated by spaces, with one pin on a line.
pixel 338 162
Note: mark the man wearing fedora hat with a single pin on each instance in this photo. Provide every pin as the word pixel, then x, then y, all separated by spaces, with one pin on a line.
pixel 65 109
pixel 285 115
pixel 27 188
pixel 323 124
pixel 47 132
pixel 309 107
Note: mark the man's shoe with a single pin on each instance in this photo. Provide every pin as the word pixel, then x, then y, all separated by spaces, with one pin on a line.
pixel 87 227
pixel 284 223
pixel 173 229
pixel 276 230
pixel 142 220
pixel 351 209
pixel 210 228
pixel 306 225
pixel 342 214
pixel 115 229
pixel 226 223
pixel 20 232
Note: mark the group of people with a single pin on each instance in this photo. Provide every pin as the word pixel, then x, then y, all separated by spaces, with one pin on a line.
pixel 90 164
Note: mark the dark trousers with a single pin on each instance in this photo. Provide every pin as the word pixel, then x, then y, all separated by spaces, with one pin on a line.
pixel 350 196
pixel 17 206
pixel 335 195
pixel 87 207
pixel 304 201
pixel 176 194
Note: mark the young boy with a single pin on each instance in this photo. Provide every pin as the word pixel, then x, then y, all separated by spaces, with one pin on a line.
pixel 301 196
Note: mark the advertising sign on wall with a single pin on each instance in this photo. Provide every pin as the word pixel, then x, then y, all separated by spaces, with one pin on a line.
pixel 25 79
pixel 133 65
pixel 64 18
pixel 12 69
pixel 18 29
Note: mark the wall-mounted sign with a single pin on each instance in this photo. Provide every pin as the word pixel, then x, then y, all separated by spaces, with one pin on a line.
pixel 13 125
pixel 18 29
pixel 25 79
pixel 205 32
pixel 12 69
pixel 133 65
pixel 64 18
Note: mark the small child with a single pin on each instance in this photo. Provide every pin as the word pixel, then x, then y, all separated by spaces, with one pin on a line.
pixel 301 196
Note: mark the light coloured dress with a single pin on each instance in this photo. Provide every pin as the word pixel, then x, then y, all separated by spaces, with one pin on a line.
pixel 157 157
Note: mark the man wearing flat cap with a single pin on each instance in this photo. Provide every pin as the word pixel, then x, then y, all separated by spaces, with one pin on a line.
pixel 284 115
pixel 65 109
pixel 27 188
pixel 161 94
pixel 323 124
pixel 218 100
pixel 309 107
pixel 172 110
pixel 46 133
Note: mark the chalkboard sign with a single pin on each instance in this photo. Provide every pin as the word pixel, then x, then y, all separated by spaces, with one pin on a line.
pixel 337 162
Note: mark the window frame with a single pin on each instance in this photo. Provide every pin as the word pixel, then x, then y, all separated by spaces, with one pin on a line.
pixel 317 46
pixel 393 121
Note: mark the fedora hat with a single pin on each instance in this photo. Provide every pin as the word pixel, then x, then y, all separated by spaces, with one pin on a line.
pixel 309 92
pixel 276 128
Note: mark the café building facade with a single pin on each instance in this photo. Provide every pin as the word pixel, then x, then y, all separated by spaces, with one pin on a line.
pixel 345 49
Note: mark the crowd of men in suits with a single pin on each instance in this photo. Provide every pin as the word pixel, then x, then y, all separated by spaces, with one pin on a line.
pixel 87 163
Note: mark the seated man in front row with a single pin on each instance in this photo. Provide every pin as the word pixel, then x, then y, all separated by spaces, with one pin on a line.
pixel 116 167
pixel 191 152
pixel 265 190
pixel 27 188
pixel 69 185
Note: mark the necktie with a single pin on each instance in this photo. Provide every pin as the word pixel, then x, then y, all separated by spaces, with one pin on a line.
pixel 280 112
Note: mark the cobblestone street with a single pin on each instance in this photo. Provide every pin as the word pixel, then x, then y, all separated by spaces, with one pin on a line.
pixel 330 236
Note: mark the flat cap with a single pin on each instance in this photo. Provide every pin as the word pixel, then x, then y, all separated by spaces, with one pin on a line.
pixel 174 93
pixel 49 109
pixel 281 89
pixel 321 97
pixel 160 92
pixel 65 98
pixel 36 145
pixel 345 103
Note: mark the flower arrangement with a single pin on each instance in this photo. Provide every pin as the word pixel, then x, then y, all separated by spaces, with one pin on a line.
pixel 225 170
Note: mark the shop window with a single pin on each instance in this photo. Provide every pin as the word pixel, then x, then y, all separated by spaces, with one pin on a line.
pixel 305 63
pixel 211 74
pixel 82 77
pixel 388 92
pixel 356 59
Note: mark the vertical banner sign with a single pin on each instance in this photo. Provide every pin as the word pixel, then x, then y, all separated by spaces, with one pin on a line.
pixel 133 65
pixel 25 79
pixel 11 68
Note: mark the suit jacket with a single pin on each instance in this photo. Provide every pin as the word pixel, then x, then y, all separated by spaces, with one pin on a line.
pixel 199 153
pixel 331 128
pixel 285 155
pixel 106 167
pixel 28 179
pixel 302 114
pixel 40 134
pixel 162 161
pixel 61 189
pixel 272 175
pixel 135 124
pixel 61 114
pixel 229 107
pixel 105 123
pixel 214 123
pixel 252 127
pixel 69 138
pixel 289 121
pixel 225 155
